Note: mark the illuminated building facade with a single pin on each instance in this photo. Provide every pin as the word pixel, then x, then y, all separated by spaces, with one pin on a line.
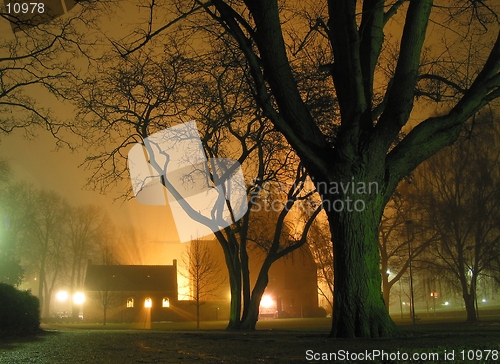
pixel 124 292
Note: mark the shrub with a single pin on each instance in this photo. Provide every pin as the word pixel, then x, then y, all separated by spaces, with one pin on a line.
pixel 19 311
pixel 314 312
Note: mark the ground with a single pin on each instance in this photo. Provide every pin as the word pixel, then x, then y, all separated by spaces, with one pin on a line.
pixel 276 341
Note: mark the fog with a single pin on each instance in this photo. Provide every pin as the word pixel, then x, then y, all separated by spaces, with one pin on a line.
pixel 40 163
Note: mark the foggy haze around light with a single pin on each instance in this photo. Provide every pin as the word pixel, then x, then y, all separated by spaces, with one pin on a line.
pixel 37 162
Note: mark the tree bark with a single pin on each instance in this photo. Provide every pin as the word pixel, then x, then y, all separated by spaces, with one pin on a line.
pixel 359 307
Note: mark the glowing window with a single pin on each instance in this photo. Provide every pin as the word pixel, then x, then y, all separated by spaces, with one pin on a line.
pixel 130 302
pixel 165 302
pixel 148 303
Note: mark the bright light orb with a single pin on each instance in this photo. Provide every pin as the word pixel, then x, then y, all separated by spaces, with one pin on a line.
pixel 148 303
pixel 62 296
pixel 267 302
pixel 79 298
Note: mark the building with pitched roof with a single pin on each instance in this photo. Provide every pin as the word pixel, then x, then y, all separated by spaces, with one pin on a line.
pixel 126 293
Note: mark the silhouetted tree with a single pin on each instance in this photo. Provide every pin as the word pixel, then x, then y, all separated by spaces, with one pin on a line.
pixel 202 272
pixel 33 60
pixel 106 297
pixel 129 99
pixel 376 81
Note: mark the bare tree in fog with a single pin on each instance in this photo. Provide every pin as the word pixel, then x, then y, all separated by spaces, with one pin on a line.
pixel 44 247
pixel 460 192
pixel 403 236
pixel 127 100
pixel 202 272
pixel 106 296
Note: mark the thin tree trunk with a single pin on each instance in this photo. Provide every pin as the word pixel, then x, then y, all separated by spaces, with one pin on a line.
pixel 250 321
pixel 470 300
pixel 105 309
pixel 41 280
pixel 197 304
pixel 386 289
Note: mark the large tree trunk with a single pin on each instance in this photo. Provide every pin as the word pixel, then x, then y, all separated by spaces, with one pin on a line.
pixel 359 308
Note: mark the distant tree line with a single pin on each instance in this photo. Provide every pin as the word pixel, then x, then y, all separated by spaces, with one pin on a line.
pixel 446 217
pixel 46 240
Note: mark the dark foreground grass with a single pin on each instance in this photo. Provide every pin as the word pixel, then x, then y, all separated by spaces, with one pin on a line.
pixel 281 341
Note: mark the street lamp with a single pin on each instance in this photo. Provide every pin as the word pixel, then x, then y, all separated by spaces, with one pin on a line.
pixel 79 298
pixel 62 296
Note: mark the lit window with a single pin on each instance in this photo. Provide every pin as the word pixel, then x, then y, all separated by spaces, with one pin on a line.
pixel 166 302
pixel 130 302
pixel 148 303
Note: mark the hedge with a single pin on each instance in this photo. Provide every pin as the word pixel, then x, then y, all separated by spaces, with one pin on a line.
pixel 19 311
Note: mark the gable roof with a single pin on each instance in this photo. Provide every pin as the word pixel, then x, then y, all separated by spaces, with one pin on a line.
pixel 131 278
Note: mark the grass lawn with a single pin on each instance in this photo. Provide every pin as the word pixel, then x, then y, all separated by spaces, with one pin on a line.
pixel 275 341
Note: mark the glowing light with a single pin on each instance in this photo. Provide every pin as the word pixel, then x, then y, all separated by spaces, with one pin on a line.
pixel 483 300
pixel 388 272
pixel 79 298
pixel 166 302
pixel 267 302
pixel 148 303
pixel 184 285
pixel 62 296
pixel 446 303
